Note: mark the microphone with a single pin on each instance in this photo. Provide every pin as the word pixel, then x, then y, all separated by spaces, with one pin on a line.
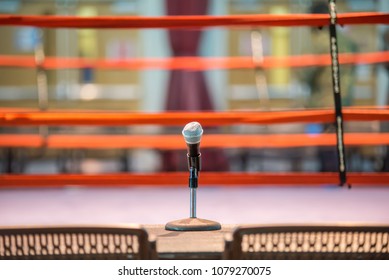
pixel 192 133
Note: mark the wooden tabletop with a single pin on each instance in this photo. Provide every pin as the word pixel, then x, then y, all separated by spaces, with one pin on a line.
pixel 189 244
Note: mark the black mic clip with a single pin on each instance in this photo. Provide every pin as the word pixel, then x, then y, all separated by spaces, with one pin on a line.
pixel 193 178
pixel 195 162
pixel 194 165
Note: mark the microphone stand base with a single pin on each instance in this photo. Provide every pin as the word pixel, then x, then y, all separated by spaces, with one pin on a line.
pixel 192 224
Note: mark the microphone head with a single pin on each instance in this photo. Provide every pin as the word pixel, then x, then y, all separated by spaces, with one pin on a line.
pixel 192 133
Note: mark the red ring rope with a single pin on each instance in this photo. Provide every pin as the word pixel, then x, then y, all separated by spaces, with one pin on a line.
pixel 175 179
pixel 12 117
pixel 191 21
pixel 175 142
pixel 193 63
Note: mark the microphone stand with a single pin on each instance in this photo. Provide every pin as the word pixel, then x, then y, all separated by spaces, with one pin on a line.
pixel 193 223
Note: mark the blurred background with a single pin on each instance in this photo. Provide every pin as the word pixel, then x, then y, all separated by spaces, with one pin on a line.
pixel 158 90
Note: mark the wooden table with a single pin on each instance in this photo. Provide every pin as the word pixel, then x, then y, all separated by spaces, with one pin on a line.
pixel 189 244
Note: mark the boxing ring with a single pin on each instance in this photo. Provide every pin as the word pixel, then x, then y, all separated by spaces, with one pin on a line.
pixel 225 181
pixel 20 117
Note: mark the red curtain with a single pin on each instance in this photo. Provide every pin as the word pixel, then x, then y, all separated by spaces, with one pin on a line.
pixel 187 90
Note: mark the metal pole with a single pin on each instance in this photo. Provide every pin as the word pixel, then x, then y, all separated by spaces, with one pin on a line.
pixel 193 184
pixel 193 198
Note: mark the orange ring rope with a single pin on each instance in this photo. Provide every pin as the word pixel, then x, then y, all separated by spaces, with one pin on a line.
pixel 174 179
pixel 12 117
pixel 193 63
pixel 191 21
pixel 175 142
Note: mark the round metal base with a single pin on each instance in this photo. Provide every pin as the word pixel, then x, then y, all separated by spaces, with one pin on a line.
pixel 192 224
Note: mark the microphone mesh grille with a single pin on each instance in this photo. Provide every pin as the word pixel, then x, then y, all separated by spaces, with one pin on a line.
pixel 192 133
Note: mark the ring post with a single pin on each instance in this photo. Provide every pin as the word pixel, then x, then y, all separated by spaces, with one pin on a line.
pixel 342 167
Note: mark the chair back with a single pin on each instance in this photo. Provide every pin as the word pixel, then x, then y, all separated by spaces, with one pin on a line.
pixel 308 242
pixel 76 242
